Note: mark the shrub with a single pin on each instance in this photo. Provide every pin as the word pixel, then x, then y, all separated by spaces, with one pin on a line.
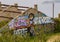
pixel 2 23
pixel 57 24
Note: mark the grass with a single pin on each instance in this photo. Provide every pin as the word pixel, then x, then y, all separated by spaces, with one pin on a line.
pixel 40 36
pixel 8 37
pixel 3 23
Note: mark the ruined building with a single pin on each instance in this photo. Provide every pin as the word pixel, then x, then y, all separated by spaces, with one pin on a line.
pixel 11 11
pixel 8 12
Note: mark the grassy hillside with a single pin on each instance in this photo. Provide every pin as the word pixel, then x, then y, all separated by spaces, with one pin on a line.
pixel 2 23
pixel 40 36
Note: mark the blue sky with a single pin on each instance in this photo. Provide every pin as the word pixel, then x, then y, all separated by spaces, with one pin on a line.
pixel 45 8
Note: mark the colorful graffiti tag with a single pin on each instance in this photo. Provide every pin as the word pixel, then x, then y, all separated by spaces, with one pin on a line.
pixel 21 21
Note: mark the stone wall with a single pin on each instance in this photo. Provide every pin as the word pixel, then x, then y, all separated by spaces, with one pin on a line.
pixel 59 15
pixel 15 10
pixel 9 11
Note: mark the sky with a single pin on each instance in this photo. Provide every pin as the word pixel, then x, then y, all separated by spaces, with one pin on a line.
pixel 45 8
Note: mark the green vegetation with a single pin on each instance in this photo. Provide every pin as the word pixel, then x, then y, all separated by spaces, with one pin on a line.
pixel 40 34
pixel 57 24
pixel 3 23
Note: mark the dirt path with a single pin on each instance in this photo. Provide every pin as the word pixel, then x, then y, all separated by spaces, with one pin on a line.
pixel 54 38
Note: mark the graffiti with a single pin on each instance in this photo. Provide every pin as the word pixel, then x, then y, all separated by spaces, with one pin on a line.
pixel 11 24
pixel 42 20
pixel 21 21
pixel 21 31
